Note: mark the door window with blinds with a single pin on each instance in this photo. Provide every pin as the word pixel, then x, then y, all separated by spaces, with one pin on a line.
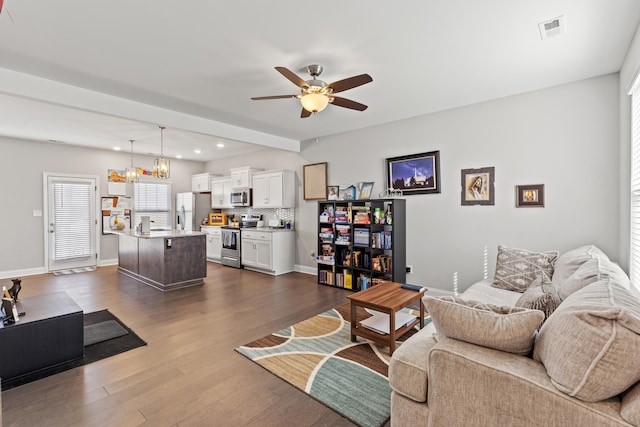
pixel 634 262
pixel 153 200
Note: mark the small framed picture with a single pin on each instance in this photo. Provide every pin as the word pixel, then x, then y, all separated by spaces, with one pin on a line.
pixel 332 192
pixel 530 196
pixel 365 190
pixel 347 193
pixel 478 186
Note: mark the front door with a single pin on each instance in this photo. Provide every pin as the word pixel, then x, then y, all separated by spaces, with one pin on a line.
pixel 72 222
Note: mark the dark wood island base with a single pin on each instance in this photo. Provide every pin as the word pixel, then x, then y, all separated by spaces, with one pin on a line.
pixel 165 260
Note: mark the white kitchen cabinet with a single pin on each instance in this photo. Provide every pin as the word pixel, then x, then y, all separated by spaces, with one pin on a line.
pixel 221 192
pixel 242 177
pixel 214 243
pixel 274 189
pixel 269 252
pixel 201 183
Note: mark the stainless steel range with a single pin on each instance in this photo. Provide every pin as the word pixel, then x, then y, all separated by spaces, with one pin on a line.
pixel 231 247
pixel 231 241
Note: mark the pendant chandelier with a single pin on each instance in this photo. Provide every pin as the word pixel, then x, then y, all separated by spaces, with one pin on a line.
pixel 161 166
pixel 131 172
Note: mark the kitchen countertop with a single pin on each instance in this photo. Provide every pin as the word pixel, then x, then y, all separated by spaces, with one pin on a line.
pixel 158 234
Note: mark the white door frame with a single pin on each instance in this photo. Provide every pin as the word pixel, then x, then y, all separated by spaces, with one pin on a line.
pixel 45 215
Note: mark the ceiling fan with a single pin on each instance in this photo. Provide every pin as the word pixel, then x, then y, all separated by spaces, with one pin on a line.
pixel 315 94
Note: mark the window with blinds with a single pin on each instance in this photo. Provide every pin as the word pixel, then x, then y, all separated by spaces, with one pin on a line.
pixel 634 262
pixel 152 200
pixel 72 218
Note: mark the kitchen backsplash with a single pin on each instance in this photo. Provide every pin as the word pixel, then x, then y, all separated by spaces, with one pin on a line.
pixel 288 214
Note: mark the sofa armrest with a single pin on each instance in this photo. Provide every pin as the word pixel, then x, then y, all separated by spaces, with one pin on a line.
pixel 409 365
pixel 470 383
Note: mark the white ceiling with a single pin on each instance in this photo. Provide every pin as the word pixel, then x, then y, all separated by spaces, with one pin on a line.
pixel 101 73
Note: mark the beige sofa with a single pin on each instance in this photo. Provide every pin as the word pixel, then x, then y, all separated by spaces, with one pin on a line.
pixel 580 368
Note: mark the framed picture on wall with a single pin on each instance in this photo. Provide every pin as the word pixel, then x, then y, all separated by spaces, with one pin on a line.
pixel 315 181
pixel 415 173
pixel 530 196
pixel 478 186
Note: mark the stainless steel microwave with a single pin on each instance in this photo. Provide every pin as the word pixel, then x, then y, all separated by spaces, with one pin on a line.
pixel 241 197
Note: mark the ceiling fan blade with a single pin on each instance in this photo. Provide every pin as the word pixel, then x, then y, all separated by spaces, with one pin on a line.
pixel 350 83
pixel 260 98
pixel 347 103
pixel 292 77
pixel 304 114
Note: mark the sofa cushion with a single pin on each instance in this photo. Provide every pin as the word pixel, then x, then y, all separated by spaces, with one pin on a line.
pixel 630 408
pixel 510 329
pixel 589 344
pixel 570 261
pixel 590 272
pixel 541 295
pixel 516 269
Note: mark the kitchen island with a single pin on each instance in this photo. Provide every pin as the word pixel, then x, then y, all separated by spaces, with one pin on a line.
pixel 166 260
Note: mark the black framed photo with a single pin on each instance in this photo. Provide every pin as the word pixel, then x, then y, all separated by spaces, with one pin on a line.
pixel 415 174
pixel 478 186
pixel 530 196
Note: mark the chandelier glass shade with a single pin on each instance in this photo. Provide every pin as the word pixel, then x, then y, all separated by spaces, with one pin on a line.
pixel 131 173
pixel 162 166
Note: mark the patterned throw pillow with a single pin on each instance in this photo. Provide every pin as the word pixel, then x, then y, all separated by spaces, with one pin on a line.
pixel 516 269
pixel 510 329
pixel 541 295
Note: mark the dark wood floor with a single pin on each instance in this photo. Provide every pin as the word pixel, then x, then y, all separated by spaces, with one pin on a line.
pixel 189 373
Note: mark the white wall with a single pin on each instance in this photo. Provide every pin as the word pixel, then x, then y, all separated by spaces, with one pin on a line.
pixel 565 137
pixel 22 164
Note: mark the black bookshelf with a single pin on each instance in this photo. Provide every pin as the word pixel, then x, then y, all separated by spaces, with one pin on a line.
pixel 358 245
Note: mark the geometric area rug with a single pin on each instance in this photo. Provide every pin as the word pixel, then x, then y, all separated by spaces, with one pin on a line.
pixel 104 334
pixel 317 357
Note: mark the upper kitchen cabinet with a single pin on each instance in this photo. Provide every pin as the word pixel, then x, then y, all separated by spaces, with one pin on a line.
pixel 221 192
pixel 242 177
pixel 274 189
pixel 201 183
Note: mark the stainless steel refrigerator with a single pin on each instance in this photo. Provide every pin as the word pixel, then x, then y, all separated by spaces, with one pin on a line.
pixel 191 209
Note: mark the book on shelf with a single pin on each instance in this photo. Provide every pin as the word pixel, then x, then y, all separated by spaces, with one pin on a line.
pixel 379 322
pixel 326 277
pixel 326 233
pixel 342 215
pixel 381 263
pixel 343 234
pixel 381 240
pixel 361 214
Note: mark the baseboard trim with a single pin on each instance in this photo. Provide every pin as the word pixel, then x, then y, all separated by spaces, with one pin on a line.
pixel 305 269
pixel 19 273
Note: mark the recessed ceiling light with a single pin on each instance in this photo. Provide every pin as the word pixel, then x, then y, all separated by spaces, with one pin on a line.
pixel 178 156
pixel 197 151
pixel 220 145
pixel 117 148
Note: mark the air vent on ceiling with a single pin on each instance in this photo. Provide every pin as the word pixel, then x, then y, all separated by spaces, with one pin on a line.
pixel 552 28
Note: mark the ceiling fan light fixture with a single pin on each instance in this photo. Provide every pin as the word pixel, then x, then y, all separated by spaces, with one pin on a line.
pixel 314 102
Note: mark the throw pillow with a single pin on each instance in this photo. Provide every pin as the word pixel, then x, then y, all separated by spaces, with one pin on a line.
pixel 589 344
pixel 510 329
pixel 570 261
pixel 516 269
pixel 541 295
pixel 590 272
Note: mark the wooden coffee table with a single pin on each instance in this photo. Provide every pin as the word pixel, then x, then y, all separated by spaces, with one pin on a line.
pixel 389 298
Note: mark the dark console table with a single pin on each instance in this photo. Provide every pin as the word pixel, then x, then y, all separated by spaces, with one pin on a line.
pixel 50 333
